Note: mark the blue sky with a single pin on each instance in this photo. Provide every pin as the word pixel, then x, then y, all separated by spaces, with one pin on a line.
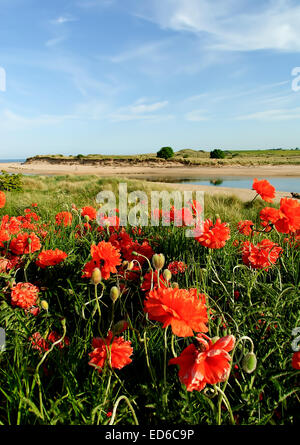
pixel 130 76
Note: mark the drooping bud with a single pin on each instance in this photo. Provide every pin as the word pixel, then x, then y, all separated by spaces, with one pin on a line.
pixel 96 276
pixel 158 261
pixel 120 327
pixel 167 275
pixel 114 294
pixel 249 362
pixel 45 305
pixel 130 265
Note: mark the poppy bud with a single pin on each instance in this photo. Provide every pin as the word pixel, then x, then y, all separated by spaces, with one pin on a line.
pixel 125 264
pixel 86 218
pixel 158 261
pixel 96 276
pixel 114 294
pixel 63 322
pixel 249 362
pixel 167 275
pixel 130 265
pixel 175 285
pixel 120 327
pixel 45 305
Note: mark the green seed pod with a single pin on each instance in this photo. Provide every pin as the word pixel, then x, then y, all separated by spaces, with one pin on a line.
pixel 114 294
pixel 249 362
pixel 167 275
pixel 158 261
pixel 96 276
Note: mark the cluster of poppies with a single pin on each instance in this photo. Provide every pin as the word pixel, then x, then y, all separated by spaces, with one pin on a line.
pixel 206 360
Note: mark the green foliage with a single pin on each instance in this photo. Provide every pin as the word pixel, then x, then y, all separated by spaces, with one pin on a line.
pixel 165 153
pixel 10 181
pixel 217 154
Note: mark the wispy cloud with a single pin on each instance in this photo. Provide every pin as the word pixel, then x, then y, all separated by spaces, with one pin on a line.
pixel 196 116
pixel 63 19
pixel 140 111
pixel 273 115
pixel 223 24
pixel 55 41
pixel 146 50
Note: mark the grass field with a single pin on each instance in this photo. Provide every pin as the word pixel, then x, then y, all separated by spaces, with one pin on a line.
pixel 190 157
pixel 45 375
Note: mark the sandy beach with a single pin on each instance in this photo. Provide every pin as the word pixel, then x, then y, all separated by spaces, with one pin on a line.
pixel 163 174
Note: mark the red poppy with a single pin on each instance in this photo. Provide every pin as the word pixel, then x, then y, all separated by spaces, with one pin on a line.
pixel 25 243
pixel 4 237
pixel 264 189
pixel 152 278
pixel 2 199
pixel 213 236
pixel 262 255
pixel 24 295
pixel 289 216
pixel 54 336
pixel 89 211
pixel 64 218
pixel 245 227
pixel 121 240
pixel 183 309
pixel 296 360
pixel 105 257
pixel 115 350
pixel 177 267
pixel 50 258
pixel 206 363
pixel 39 343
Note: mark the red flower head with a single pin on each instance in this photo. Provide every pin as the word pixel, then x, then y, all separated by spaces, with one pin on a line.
pixel 39 343
pixel 244 227
pixel 213 236
pixel 296 360
pixel 121 240
pixel 4 237
pixel 105 257
pixel 50 258
pixel 89 211
pixel 24 295
pixel 264 189
pixel 2 199
pixel 289 216
pixel 115 350
pixel 54 336
pixel 262 255
pixel 64 218
pixel 177 267
pixel 182 309
pixel 25 243
pixel 206 363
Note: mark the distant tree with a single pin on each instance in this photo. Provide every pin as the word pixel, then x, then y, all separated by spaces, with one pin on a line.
pixel 217 154
pixel 79 156
pixel 165 153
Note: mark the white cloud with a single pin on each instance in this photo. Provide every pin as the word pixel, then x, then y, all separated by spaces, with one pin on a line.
pixel 231 25
pixel 55 41
pixel 62 19
pixel 196 116
pixel 272 115
pixel 140 111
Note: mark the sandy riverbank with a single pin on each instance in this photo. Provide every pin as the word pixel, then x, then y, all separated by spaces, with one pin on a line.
pixel 144 171
pixel 163 174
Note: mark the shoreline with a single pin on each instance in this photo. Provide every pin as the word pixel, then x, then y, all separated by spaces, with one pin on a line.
pixel 161 174
pixel 153 171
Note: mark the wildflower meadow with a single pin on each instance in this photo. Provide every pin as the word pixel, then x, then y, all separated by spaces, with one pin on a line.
pixel 110 324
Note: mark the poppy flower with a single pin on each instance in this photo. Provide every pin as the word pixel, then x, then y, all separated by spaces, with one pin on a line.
pixel 39 343
pixel 245 227
pixel 105 257
pixel 114 350
pixel 54 336
pixel 262 255
pixel 2 199
pixel 89 211
pixel 213 236
pixel 24 295
pixel 176 267
pixel 121 240
pixel 289 216
pixel 4 237
pixel 151 278
pixel 183 309
pixel 204 363
pixel 64 218
pixel 264 189
pixel 25 243
pixel 296 360
pixel 50 258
